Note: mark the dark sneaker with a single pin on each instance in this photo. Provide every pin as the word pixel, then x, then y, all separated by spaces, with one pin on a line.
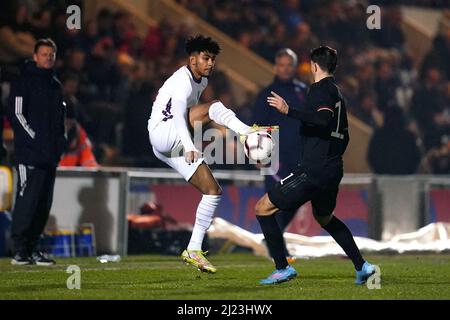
pixel 41 259
pixel 21 259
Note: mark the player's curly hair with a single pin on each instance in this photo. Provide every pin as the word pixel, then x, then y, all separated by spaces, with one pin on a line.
pixel 200 43
pixel 325 57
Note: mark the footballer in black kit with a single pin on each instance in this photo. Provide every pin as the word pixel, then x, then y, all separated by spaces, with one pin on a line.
pixel 325 138
pixel 320 170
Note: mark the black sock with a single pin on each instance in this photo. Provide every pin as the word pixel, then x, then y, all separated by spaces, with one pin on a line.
pixel 342 235
pixel 283 219
pixel 274 239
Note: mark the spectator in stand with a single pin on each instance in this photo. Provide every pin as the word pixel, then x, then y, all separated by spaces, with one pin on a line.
pixel 349 87
pixel 365 75
pixel 391 34
pixel 105 74
pixel 102 68
pixel 426 105
pixel 439 54
pixel 16 40
pixel 42 23
pixel 67 39
pixel 78 151
pixel 386 85
pixel 123 31
pixel 105 23
pixel 152 46
pixel 135 133
pixel 367 110
pixel 437 160
pixel 89 36
pixel 75 63
pixel 393 149
pixel 290 14
pixel 70 82
pixel 303 41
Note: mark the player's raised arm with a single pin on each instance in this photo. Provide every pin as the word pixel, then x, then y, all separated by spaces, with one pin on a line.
pixel 321 117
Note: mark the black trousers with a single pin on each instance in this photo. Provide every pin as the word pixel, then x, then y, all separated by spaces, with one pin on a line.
pixel 34 196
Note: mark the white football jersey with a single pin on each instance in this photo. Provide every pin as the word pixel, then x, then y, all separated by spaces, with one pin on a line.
pixel 180 86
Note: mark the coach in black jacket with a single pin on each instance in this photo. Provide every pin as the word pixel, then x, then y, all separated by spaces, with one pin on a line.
pixel 37 112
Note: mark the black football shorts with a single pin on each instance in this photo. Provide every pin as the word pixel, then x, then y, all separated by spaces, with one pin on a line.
pixel 296 189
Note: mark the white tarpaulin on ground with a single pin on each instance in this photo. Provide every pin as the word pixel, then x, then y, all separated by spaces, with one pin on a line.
pixel 434 237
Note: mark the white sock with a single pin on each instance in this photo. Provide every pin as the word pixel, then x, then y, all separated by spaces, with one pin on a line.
pixel 203 219
pixel 226 117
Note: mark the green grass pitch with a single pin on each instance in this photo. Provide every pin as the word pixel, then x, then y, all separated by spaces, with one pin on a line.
pixel 168 278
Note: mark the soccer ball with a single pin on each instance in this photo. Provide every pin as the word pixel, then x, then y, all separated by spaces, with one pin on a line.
pixel 258 146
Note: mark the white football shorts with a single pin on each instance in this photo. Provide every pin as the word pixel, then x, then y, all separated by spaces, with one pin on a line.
pixel 167 147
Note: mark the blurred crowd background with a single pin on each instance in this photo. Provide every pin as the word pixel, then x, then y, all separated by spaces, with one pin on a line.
pixel 111 75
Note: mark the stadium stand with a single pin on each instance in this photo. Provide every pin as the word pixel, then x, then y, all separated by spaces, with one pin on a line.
pixel 118 70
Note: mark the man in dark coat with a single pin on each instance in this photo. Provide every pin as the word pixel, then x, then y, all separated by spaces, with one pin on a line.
pixel 36 113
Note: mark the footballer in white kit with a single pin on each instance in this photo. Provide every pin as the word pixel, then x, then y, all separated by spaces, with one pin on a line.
pixel 167 126
pixel 174 111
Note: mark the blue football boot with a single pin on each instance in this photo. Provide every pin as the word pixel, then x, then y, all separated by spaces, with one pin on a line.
pixel 279 276
pixel 366 271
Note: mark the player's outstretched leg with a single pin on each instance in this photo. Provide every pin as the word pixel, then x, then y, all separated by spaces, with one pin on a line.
pixel 204 181
pixel 342 235
pixel 265 211
pixel 217 112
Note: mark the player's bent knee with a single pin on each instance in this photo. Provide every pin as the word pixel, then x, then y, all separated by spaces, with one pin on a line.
pixel 264 207
pixel 259 208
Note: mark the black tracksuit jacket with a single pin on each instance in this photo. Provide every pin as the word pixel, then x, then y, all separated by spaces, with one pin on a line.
pixel 36 112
